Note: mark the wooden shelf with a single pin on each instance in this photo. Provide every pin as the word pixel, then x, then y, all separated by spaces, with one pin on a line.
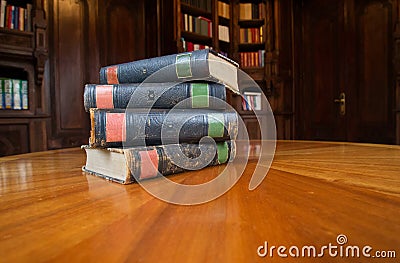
pixel 9 113
pixel 195 11
pixel 251 23
pixel 16 42
pixel 197 38
pixel 248 47
pixel 256 73
pixel 23 58
pixel 224 45
pixel 224 21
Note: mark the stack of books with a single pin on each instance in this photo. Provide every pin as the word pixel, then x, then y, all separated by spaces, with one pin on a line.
pixel 148 116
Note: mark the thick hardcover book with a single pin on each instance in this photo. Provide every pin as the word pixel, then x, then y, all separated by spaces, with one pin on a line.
pixel 197 65
pixel 138 163
pixel 182 95
pixel 114 128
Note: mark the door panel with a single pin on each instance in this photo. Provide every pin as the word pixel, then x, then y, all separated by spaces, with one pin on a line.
pixel 321 31
pixel 375 87
pixel 123 31
pixel 346 46
pixel 69 61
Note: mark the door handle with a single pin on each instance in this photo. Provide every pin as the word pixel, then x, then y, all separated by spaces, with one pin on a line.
pixel 342 103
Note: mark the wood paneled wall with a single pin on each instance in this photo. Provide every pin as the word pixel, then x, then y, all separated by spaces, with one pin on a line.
pixel 83 36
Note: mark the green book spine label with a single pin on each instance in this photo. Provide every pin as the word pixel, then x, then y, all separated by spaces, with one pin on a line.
pixel 216 125
pixel 222 152
pixel 200 95
pixel 182 65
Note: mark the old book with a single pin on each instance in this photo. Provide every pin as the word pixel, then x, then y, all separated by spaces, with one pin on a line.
pixel 182 95
pixel 196 65
pixel 2 94
pixel 138 163
pixel 3 13
pixel 114 128
pixel 8 93
pixel 25 94
pixel 28 15
pixel 17 96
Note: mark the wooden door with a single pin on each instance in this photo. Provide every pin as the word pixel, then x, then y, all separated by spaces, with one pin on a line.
pixel 128 30
pixel 345 79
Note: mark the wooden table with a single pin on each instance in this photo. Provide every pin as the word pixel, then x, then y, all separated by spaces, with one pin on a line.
pixel 51 211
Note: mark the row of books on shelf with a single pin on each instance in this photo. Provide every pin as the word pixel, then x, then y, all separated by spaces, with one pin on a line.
pixel 125 144
pixel 202 4
pixel 199 25
pixel 252 59
pixel 224 10
pixel 249 11
pixel 251 101
pixel 190 46
pixel 16 17
pixel 251 35
pixel 13 94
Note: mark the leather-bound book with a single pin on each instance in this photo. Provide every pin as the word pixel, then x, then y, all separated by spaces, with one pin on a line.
pixel 155 95
pixel 138 163
pixel 137 127
pixel 196 65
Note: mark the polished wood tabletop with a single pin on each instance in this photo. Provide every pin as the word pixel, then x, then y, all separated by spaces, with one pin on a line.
pixel 316 194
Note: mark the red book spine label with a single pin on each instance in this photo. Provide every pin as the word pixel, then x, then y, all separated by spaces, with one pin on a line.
pixel 112 75
pixel 104 97
pixel 148 164
pixel 115 127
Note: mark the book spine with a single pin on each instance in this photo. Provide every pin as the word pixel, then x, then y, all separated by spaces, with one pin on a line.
pixel 150 162
pixel 24 92
pixel 189 65
pixel 15 17
pixel 21 18
pixel 28 17
pixel 3 13
pixel 10 19
pixel 2 105
pixel 8 93
pixel 170 95
pixel 116 128
pixel 17 101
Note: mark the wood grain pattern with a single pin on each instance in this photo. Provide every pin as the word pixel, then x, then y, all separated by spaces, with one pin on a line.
pixel 51 211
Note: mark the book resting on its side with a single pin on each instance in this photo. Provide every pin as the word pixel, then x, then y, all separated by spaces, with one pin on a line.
pixel 138 163
pixel 143 95
pixel 117 127
pixel 204 64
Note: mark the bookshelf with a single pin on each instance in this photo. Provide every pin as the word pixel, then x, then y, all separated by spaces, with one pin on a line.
pixel 24 112
pixel 260 41
pixel 238 30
